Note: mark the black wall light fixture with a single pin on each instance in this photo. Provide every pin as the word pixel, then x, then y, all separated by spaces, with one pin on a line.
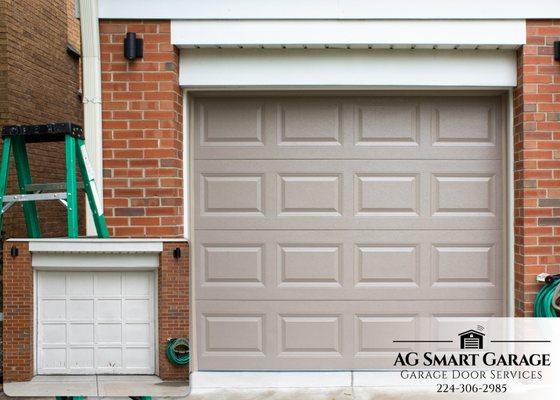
pixel 133 47
pixel 557 50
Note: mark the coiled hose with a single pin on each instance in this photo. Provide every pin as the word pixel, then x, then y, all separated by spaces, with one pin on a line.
pixel 178 351
pixel 544 302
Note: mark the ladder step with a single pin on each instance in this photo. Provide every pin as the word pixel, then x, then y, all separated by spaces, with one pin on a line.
pixel 40 187
pixel 16 198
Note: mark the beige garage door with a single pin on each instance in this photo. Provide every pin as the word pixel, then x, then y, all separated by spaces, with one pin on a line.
pixel 326 227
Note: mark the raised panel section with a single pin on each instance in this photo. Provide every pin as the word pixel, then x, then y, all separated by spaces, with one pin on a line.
pixel 463 265
pixel 233 333
pixel 54 333
pixel 310 194
pixel 54 359
pixel 231 123
pixel 81 333
pixel 233 264
pixel 377 334
pixel 387 265
pixel 52 284
pixel 81 358
pixel 80 309
pixel 108 358
pixel 137 284
pixel 308 265
pixel 388 194
pixel 463 125
pixel 232 194
pixel 387 125
pixel 53 310
pixel 463 194
pixel 309 123
pixel 310 334
pixel 108 284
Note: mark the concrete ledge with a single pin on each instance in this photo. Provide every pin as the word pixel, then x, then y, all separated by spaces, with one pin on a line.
pixel 97 385
pixel 53 386
pixel 294 379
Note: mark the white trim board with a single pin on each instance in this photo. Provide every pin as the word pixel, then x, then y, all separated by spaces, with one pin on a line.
pixel 329 9
pixel 269 379
pixel 96 246
pixel 354 33
pixel 95 261
pixel 338 68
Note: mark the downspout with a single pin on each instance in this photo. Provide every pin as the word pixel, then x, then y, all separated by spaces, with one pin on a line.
pixel 91 72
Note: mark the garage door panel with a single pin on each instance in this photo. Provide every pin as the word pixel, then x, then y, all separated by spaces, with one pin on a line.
pixel 327 225
pixel 54 333
pixel 350 264
pixel 378 123
pixel 108 285
pixel 80 284
pixel 53 285
pixel 318 335
pixel 382 127
pixel 465 122
pixel 319 194
pixel 84 332
pixel 309 122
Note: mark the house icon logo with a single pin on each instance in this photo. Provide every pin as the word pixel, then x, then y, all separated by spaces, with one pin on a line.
pixel 472 340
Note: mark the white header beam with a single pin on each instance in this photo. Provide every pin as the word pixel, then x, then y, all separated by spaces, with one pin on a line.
pixel 329 9
pixel 498 33
pixel 338 68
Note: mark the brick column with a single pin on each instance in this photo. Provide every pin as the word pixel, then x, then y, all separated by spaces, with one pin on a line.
pixel 173 305
pixel 142 132
pixel 537 162
pixel 18 314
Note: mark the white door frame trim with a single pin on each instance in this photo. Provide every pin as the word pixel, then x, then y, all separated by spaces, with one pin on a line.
pixel 335 69
pixel 188 168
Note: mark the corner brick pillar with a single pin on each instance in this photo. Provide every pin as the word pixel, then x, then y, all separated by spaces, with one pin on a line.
pixel 142 132
pixel 18 314
pixel 536 162
pixel 173 305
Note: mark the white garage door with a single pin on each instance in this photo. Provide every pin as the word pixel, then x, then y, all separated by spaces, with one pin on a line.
pixel 95 322
pixel 326 227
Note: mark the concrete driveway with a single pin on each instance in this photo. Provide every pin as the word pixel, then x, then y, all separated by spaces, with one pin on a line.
pixel 357 393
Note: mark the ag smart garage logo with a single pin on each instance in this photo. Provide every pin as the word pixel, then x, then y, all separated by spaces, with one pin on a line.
pixel 470 368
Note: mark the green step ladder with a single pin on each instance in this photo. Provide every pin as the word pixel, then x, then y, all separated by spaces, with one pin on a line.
pixel 16 137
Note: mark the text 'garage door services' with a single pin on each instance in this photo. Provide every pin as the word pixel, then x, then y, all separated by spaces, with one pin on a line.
pixel 325 227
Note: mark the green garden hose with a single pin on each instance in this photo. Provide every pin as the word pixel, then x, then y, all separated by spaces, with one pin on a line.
pixel 545 300
pixel 178 351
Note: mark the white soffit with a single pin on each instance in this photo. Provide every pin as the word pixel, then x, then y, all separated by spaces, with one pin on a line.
pixel 329 9
pixel 90 245
pixel 341 68
pixel 421 34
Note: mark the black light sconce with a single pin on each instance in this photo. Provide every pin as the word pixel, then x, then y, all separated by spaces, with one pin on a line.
pixel 557 50
pixel 177 253
pixel 133 47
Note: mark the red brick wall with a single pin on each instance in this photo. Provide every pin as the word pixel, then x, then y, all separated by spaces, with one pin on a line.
pixel 142 132
pixel 173 305
pixel 40 85
pixel 18 314
pixel 537 162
